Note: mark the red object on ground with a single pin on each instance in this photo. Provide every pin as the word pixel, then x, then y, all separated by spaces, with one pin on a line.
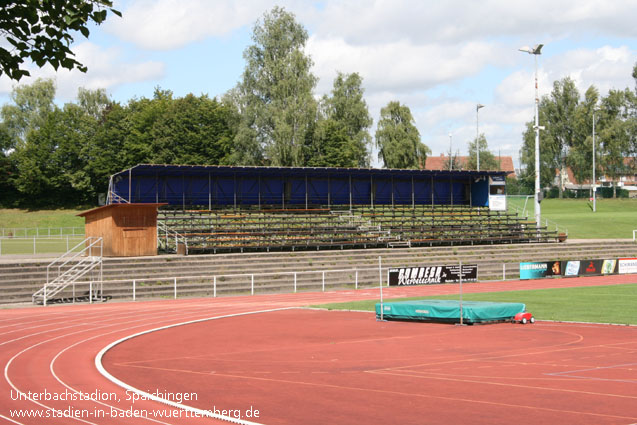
pixel 524 318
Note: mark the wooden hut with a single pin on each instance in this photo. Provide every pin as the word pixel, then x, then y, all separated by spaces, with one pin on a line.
pixel 128 230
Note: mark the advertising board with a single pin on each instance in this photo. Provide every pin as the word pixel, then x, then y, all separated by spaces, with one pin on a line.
pixel 430 275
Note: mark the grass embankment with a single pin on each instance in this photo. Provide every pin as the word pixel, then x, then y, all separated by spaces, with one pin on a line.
pixel 614 218
pixel 598 304
pixel 16 218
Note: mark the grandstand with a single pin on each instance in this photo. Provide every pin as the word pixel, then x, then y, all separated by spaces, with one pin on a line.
pixel 236 209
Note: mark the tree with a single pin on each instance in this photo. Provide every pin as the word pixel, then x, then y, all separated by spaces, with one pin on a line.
pixel 488 161
pixel 398 139
pixel 557 115
pixel 348 110
pixel 616 134
pixel 29 111
pixel 453 161
pixel 54 163
pixel 193 130
pixel 43 31
pixel 560 124
pixel 333 146
pixel 31 106
pixel 274 97
pixel 93 102
pixel 580 156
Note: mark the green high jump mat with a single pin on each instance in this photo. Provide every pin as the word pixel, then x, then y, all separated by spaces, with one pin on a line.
pixel 448 311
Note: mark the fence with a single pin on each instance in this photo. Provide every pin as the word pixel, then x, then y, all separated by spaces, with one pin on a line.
pixel 232 284
pixel 38 245
pixel 523 209
pixel 40 232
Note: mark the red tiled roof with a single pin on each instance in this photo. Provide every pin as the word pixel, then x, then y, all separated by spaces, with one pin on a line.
pixel 442 162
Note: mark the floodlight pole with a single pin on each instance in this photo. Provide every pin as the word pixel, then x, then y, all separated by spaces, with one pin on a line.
pixel 450 154
pixel 478 106
pixel 535 51
pixel 538 213
pixel 594 180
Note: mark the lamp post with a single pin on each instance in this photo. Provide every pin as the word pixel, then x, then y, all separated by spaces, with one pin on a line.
pixel 450 157
pixel 594 180
pixel 536 51
pixel 478 106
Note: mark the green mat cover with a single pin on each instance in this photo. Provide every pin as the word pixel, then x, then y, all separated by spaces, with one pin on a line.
pixel 449 310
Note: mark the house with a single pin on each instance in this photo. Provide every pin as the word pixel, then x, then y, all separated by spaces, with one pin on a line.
pixel 442 162
pixel 627 181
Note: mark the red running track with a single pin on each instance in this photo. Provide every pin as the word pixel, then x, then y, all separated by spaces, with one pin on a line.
pixel 49 363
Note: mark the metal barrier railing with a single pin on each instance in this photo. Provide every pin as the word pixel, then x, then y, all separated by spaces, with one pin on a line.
pixel 40 232
pixel 168 287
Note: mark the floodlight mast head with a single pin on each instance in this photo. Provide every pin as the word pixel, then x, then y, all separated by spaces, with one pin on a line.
pixel 535 50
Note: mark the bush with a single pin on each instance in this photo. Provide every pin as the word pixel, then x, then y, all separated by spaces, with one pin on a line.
pixel 607 192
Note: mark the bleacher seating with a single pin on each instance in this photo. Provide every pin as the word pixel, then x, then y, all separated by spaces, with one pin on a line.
pixel 265 229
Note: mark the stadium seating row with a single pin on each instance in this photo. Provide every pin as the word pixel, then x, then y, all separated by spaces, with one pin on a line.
pixel 265 229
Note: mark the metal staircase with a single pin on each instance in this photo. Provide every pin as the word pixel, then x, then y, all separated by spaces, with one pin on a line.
pixel 169 240
pixel 69 268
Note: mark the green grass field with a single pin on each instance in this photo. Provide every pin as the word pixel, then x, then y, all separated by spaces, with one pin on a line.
pixel 598 304
pixel 16 226
pixel 614 219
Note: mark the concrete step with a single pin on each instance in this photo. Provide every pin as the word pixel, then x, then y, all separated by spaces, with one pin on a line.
pixel 31 275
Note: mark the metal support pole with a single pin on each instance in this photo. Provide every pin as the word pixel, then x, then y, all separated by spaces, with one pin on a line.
pixel 294 282
pixel 33 246
pixel 214 286
pixel 594 181
pixel 130 180
pixel 134 290
pixel 175 287
pixel 461 312
pixel 323 280
pixel 504 271
pixel 90 292
pixel 252 285
pixel 356 279
pixel 380 285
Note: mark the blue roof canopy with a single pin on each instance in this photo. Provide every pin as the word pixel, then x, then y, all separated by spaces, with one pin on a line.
pixel 213 186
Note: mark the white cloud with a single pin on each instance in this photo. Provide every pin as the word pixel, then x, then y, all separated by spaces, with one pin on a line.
pixel 171 24
pixel 364 21
pixel 399 66
pixel 106 70
pixel 607 67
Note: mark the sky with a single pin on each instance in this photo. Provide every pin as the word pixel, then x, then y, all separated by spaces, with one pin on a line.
pixel 440 58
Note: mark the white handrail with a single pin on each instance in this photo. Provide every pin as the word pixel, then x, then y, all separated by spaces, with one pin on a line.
pixel 93 242
pixel 163 228
pixel 89 247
